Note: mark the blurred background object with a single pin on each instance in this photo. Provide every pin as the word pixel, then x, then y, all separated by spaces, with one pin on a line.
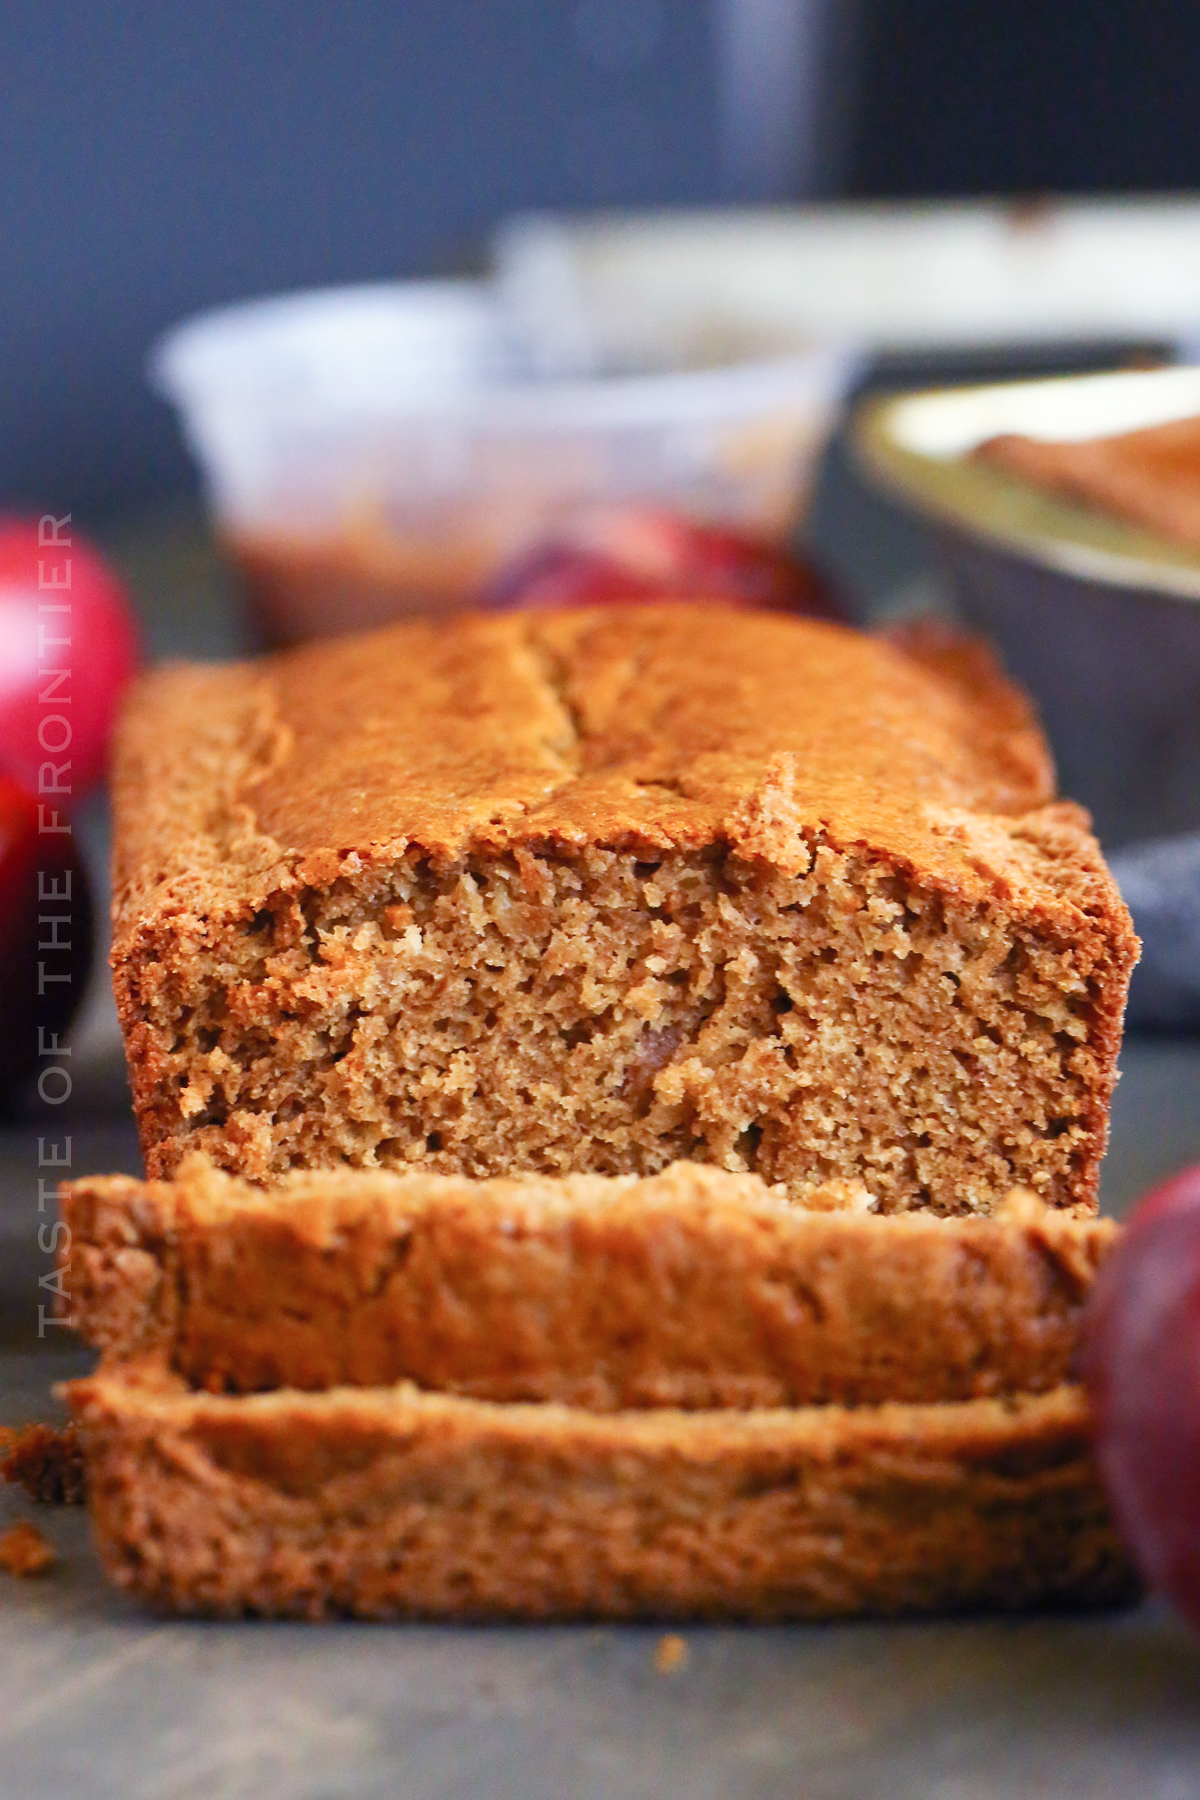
pixel 1095 614
pixel 378 451
pixel 158 160
pixel 911 278
pixel 786 77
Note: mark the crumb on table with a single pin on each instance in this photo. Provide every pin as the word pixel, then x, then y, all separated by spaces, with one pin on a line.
pixel 46 1461
pixel 670 1653
pixel 24 1551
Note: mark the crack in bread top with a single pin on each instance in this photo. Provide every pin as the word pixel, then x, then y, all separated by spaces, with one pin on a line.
pixel 622 724
pixel 680 725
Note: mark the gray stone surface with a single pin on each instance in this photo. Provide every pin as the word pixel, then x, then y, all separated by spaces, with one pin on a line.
pixel 101 1703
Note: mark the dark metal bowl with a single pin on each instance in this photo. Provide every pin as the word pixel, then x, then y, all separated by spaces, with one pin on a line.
pixel 1098 619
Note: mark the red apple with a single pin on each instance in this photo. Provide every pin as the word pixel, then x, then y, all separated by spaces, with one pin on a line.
pixel 644 553
pixel 1141 1362
pixel 68 645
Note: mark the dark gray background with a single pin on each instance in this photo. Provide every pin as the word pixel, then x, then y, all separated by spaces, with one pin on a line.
pixel 156 157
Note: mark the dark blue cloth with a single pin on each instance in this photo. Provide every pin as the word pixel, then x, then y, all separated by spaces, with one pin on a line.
pixel 1161 884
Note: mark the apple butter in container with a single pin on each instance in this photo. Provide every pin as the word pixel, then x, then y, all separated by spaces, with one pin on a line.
pixel 378 452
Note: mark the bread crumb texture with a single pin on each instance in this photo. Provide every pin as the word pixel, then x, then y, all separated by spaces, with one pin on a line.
pixel 604 890
pixel 387 1502
pixel 46 1460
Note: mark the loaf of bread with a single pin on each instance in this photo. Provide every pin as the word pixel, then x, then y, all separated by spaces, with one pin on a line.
pixel 598 891
pixel 389 1502
pixel 692 1289
pixel 623 1094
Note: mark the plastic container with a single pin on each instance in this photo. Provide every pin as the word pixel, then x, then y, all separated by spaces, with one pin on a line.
pixel 375 452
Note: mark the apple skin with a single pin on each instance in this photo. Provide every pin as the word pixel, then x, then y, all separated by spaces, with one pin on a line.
pixel 1140 1360
pixel 45 935
pixel 644 553
pixel 66 592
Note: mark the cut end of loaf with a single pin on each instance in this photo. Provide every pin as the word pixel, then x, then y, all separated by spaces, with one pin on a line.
pixel 605 1012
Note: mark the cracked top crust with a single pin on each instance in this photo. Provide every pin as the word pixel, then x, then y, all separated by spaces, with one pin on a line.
pixel 645 727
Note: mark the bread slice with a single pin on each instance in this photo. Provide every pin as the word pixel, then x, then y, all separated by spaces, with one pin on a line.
pixel 584 1397
pixel 386 1502
pixel 1150 476
pixel 601 890
pixel 693 1289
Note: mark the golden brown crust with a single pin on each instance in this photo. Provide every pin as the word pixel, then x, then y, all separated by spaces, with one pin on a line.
pixel 619 726
pixel 693 1289
pixel 598 890
pixel 1150 476
pixel 388 1503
